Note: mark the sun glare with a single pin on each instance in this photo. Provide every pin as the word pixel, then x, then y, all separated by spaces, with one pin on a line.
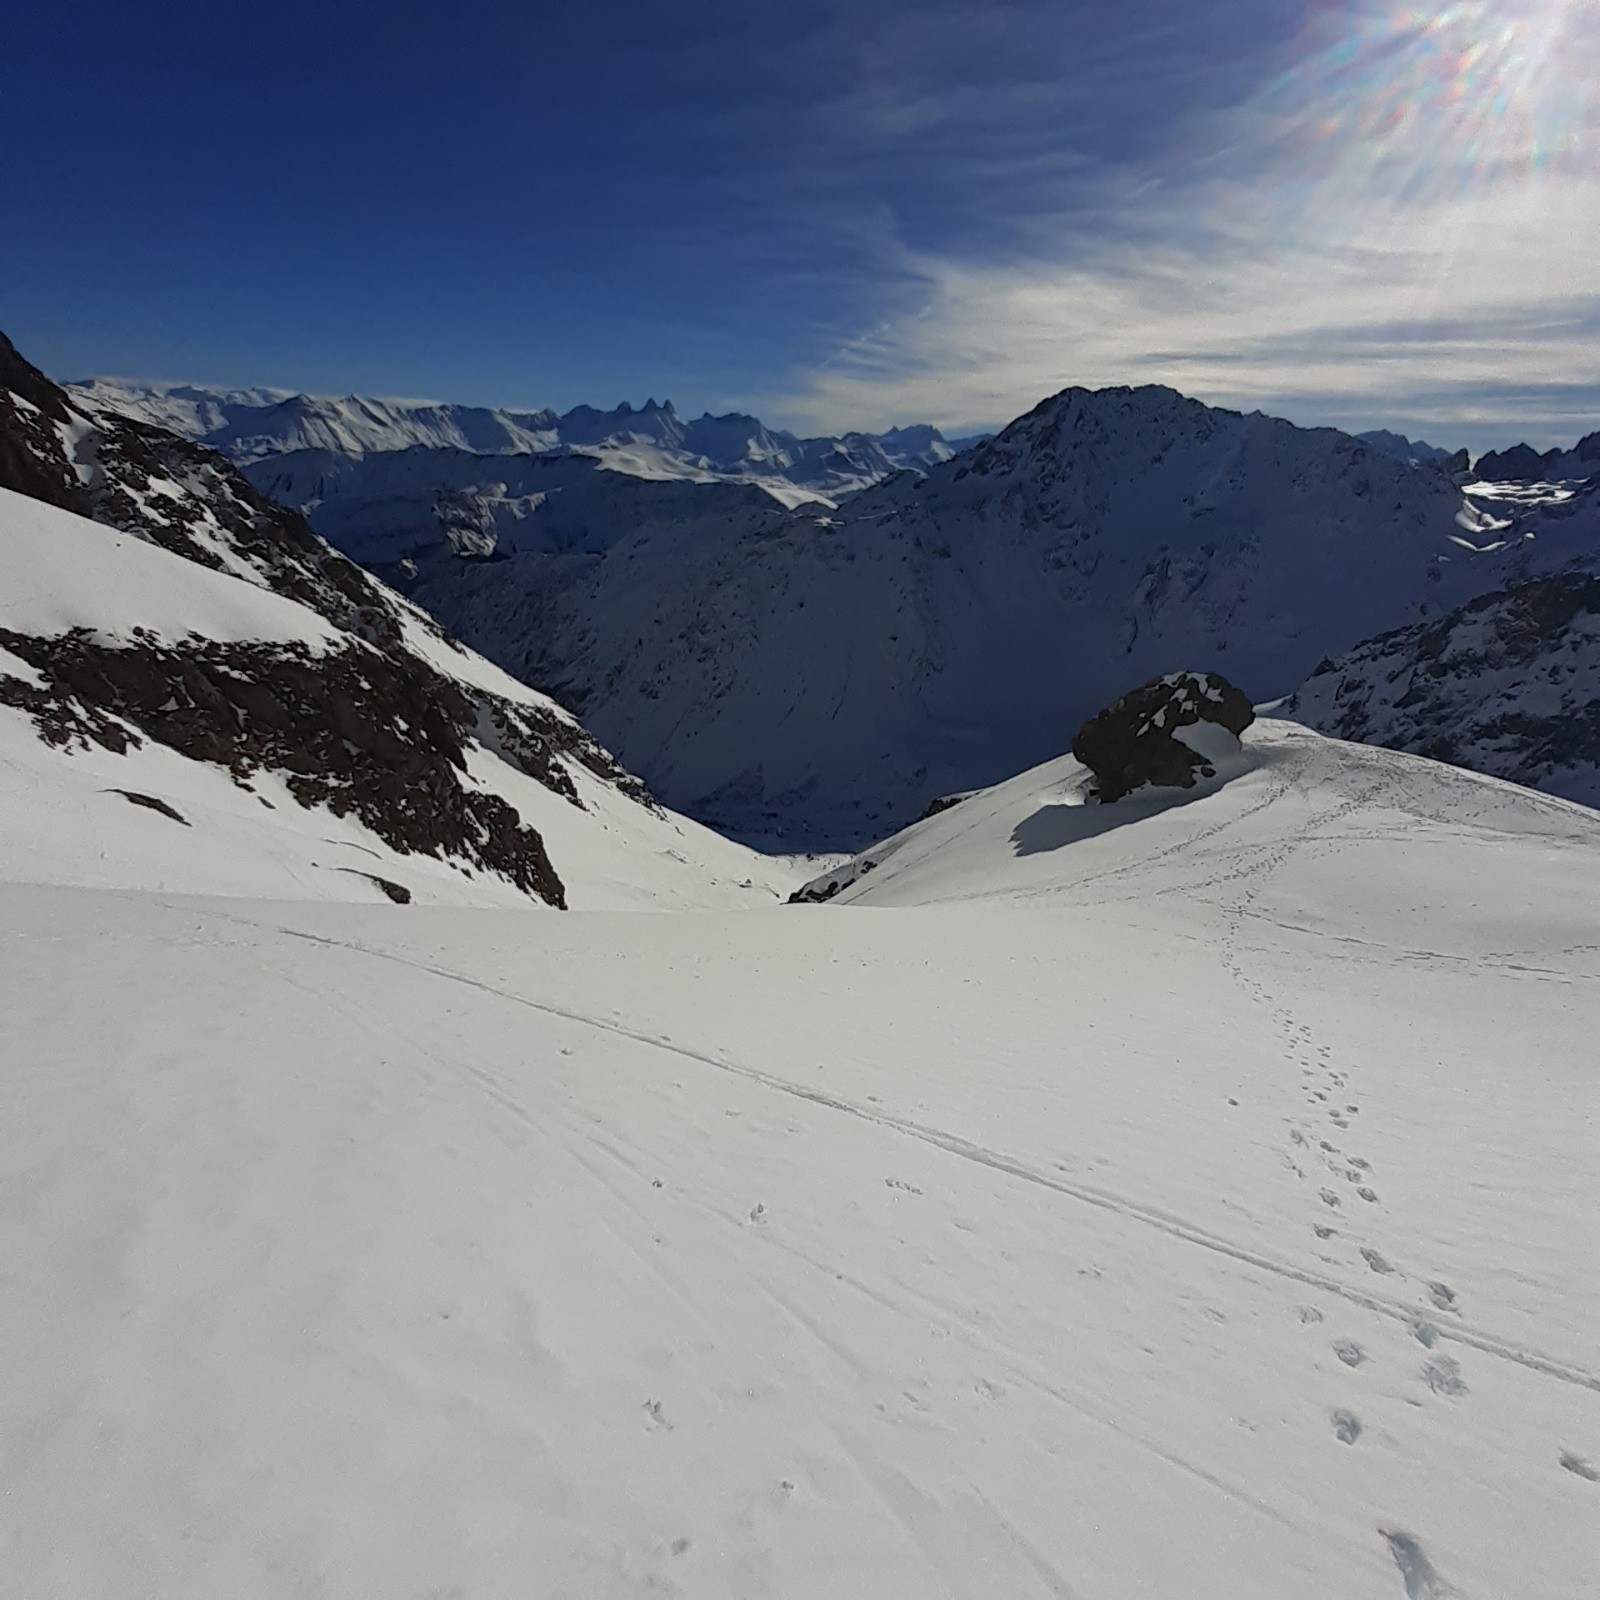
pixel 1430 100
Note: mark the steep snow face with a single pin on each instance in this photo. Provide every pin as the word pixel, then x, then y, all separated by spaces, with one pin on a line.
pixel 1198 1204
pixel 821 678
pixel 252 425
pixel 202 696
pixel 164 725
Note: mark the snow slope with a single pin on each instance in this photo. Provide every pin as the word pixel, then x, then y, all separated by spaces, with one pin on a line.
pixel 654 442
pixel 66 815
pixel 819 679
pixel 198 694
pixel 1180 1199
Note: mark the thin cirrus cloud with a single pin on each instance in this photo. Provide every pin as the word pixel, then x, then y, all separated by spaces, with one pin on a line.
pixel 1393 227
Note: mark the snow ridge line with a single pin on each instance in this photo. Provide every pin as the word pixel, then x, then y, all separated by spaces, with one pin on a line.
pixel 997 1161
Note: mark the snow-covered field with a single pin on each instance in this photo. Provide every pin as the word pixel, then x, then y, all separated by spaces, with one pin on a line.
pixel 1170 1199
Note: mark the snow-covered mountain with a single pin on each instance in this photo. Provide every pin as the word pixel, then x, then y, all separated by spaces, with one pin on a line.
pixel 1118 1202
pixel 821 677
pixel 1507 683
pixel 251 425
pixel 1415 452
pixel 197 694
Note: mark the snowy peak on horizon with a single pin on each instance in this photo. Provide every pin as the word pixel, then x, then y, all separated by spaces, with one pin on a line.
pixel 650 441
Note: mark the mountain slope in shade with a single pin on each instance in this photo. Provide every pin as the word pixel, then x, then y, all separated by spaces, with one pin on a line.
pixel 819 678
pixel 1508 684
pixel 1114 1202
pixel 197 693
pixel 1522 463
pixel 653 441
pixel 1417 452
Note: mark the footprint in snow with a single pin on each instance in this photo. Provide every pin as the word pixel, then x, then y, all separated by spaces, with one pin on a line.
pixel 1575 1463
pixel 1349 1352
pixel 1375 1261
pixel 1443 1376
pixel 1425 1334
pixel 1442 1296
pixel 759 1214
pixel 1346 1426
pixel 1416 1571
pixel 1329 1198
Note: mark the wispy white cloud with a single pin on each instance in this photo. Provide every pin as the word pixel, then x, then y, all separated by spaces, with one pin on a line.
pixel 1397 228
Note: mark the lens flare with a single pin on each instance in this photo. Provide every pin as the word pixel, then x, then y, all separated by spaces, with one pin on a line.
pixel 1431 100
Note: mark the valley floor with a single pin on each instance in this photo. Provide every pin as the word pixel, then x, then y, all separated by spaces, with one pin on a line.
pixel 1201 1207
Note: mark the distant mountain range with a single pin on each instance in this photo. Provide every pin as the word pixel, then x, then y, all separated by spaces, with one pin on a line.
pixel 250 425
pixel 813 676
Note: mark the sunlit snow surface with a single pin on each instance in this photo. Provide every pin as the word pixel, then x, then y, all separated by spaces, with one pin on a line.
pixel 1192 1199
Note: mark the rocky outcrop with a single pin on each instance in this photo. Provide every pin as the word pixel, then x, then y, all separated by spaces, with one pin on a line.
pixel 1139 739
pixel 354 730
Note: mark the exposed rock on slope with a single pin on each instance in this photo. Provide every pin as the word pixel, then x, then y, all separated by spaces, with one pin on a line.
pixel 1165 732
pixel 1522 463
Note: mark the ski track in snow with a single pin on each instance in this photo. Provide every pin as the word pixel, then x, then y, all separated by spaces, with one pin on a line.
pixel 852 1302
pixel 1121 1205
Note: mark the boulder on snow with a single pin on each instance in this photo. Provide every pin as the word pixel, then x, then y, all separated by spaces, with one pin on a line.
pixel 1138 739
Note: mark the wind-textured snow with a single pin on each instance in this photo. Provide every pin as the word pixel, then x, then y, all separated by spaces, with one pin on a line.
pixel 1181 1197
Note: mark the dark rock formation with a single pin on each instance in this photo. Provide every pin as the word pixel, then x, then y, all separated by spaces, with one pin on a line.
pixel 330 723
pixel 1131 743
pixel 1520 463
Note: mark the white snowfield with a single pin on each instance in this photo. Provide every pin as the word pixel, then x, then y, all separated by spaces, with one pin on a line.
pixel 1192 1197
pixel 59 571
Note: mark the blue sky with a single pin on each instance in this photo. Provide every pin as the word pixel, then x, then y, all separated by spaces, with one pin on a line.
pixel 838 215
